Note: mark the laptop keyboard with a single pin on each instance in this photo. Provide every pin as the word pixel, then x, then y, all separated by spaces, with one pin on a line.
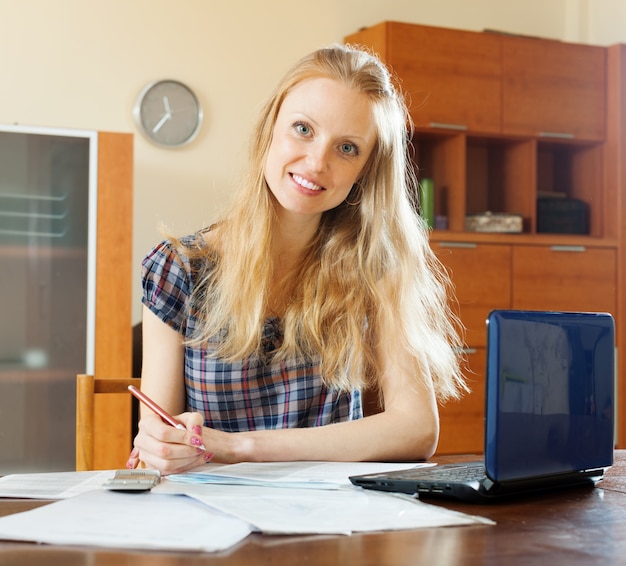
pixel 473 471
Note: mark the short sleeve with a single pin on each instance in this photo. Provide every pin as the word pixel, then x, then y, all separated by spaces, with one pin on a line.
pixel 166 283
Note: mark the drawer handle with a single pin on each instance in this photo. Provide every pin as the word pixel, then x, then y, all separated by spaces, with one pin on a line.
pixel 444 126
pixel 466 350
pixel 560 135
pixel 468 245
pixel 577 249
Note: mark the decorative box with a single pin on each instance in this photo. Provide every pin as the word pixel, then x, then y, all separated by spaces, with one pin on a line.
pixel 494 222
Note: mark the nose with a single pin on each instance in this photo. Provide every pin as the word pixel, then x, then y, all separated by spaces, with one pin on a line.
pixel 318 156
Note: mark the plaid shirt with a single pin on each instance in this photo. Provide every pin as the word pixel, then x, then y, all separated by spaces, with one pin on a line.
pixel 251 394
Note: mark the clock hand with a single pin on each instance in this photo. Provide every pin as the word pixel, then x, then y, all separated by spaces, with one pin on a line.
pixel 166 103
pixel 162 121
pixel 184 109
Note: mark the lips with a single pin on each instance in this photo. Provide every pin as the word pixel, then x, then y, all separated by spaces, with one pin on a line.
pixel 306 184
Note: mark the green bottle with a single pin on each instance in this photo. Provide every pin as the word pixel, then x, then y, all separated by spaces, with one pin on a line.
pixel 427 202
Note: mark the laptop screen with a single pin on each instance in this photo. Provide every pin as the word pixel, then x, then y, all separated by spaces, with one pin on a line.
pixel 550 393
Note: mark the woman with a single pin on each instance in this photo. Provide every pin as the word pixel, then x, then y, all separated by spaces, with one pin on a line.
pixel 261 331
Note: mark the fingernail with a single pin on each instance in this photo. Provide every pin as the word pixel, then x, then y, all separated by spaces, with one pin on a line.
pixel 133 459
pixel 208 456
pixel 197 441
pixel 197 429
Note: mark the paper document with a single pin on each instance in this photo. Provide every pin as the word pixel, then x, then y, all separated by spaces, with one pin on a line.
pixel 301 475
pixel 55 485
pixel 122 520
pixel 199 515
pixel 274 510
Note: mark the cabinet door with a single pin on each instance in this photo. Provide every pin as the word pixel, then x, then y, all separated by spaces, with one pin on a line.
pixel 451 77
pixel 481 274
pixel 553 89
pixel 462 422
pixel 566 278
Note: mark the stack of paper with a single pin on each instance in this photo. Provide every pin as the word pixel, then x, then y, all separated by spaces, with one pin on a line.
pixel 127 520
pixel 215 507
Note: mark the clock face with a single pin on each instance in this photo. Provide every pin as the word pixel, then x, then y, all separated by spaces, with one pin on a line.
pixel 168 113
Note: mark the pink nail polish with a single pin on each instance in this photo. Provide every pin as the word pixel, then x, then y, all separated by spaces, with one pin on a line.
pixel 208 456
pixel 197 430
pixel 196 441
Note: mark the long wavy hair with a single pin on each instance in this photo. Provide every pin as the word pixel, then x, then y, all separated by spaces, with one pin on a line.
pixel 368 272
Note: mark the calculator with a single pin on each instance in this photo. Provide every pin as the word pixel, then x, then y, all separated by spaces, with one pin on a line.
pixel 133 480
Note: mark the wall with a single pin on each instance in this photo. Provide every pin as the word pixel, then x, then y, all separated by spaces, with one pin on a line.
pixel 82 63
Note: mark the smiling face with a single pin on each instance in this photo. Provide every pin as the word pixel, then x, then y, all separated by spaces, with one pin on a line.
pixel 323 136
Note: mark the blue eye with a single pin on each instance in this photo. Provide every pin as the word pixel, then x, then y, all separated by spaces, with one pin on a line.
pixel 349 149
pixel 302 128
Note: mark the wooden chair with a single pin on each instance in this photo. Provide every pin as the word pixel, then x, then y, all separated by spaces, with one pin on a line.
pixel 87 386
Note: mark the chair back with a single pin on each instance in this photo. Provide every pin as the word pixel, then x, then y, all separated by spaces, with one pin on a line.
pixel 87 387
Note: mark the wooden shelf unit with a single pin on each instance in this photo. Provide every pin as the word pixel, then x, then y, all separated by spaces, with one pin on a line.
pixel 500 120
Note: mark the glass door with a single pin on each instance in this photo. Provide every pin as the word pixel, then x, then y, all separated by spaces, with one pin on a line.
pixel 47 228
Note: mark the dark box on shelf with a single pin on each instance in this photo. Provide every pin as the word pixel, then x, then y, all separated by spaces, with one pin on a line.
pixel 562 215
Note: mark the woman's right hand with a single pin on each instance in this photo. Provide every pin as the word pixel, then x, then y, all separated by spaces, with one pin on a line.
pixel 170 450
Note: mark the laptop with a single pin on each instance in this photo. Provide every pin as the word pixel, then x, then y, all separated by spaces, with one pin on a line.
pixel 549 411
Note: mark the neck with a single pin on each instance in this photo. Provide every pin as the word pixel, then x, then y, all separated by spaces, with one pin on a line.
pixel 293 234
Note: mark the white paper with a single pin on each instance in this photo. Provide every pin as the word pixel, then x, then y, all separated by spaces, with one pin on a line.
pixel 275 510
pixel 124 520
pixel 209 517
pixel 301 475
pixel 55 485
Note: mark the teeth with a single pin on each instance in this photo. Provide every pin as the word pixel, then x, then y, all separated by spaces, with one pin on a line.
pixel 306 184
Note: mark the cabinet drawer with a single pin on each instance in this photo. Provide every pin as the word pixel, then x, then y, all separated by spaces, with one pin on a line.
pixel 552 87
pixel 481 274
pixel 567 278
pixel 462 422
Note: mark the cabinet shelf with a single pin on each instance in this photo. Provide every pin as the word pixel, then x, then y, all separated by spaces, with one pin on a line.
pixel 575 240
pixel 474 174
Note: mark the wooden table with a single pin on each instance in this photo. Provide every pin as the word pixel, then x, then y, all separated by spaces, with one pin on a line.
pixel 580 526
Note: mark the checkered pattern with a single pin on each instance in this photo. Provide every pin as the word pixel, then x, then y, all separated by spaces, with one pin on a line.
pixel 251 394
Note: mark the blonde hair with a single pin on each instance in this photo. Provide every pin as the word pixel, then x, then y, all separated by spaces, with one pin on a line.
pixel 369 269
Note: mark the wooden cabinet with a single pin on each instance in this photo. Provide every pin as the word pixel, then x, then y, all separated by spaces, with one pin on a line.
pixel 502 122
pixel 546 84
pixel 66 255
pixel 452 77
pixel 495 83
pixel 491 276
pixel 500 119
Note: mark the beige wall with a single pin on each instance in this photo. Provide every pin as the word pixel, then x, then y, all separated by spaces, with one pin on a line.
pixel 82 63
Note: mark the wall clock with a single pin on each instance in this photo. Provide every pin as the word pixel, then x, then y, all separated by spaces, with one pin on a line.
pixel 168 113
